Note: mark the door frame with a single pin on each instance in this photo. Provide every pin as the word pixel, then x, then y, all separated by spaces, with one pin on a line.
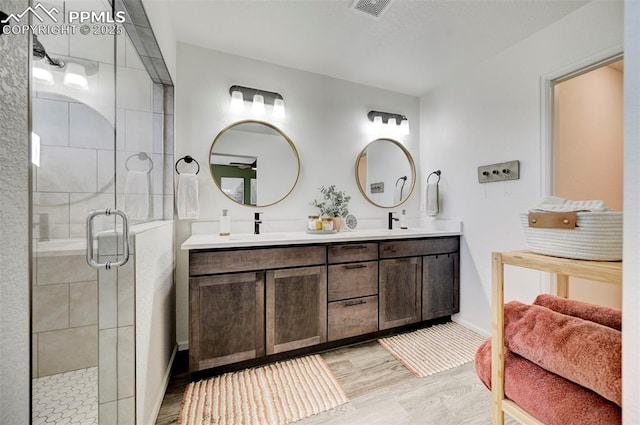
pixel 547 119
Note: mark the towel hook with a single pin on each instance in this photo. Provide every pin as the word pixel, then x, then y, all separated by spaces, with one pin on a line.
pixel 437 173
pixel 142 156
pixel 188 159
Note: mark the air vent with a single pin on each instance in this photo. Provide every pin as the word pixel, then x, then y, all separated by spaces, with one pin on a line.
pixel 373 8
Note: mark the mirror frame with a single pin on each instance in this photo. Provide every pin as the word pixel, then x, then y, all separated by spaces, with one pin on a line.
pixel 276 129
pixel 411 164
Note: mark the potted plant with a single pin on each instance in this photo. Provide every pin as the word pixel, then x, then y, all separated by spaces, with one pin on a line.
pixel 334 204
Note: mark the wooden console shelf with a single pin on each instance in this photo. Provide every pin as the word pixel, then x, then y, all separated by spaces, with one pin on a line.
pixel 601 271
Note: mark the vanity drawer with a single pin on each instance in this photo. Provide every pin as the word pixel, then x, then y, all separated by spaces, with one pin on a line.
pixel 238 260
pixel 352 317
pixel 353 280
pixel 416 248
pixel 344 253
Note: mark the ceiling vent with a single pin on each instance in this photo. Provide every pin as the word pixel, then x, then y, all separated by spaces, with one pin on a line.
pixel 373 8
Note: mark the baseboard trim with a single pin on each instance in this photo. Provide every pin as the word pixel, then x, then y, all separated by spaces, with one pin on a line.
pixel 183 345
pixel 471 326
pixel 165 385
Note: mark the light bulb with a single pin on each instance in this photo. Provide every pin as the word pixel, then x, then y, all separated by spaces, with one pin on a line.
pixel 392 122
pixel 278 108
pixel 404 126
pixel 42 73
pixel 258 104
pixel 76 76
pixel 377 122
pixel 237 101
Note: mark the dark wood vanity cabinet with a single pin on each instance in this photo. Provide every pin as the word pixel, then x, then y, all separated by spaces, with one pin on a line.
pixel 296 308
pixel 440 285
pixel 400 291
pixel 226 319
pixel 248 303
pixel 418 280
pixel 352 290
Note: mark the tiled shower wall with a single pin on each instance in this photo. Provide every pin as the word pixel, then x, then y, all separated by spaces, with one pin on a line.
pixel 76 176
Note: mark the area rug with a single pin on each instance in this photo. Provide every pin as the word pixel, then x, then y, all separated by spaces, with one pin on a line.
pixel 274 394
pixel 435 349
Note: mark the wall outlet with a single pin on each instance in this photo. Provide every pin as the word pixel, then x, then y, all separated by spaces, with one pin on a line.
pixel 377 187
pixel 499 172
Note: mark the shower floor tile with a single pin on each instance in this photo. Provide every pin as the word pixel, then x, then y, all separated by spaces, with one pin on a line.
pixel 66 398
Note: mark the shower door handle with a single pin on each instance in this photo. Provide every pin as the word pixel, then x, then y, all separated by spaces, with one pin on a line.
pixel 125 239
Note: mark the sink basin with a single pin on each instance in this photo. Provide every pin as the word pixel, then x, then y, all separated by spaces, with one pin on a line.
pixel 260 237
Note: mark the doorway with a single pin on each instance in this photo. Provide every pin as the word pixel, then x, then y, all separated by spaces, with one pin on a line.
pixel 587 149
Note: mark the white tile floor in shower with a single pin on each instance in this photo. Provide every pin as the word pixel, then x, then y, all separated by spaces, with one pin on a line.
pixel 66 398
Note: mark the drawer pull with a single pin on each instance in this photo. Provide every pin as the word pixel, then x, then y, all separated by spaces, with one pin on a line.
pixel 352 303
pixel 354 247
pixel 355 266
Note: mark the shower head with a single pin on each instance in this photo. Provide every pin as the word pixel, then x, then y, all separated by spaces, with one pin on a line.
pixel 40 52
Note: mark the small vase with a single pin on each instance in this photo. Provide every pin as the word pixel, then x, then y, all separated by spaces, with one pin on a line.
pixel 337 222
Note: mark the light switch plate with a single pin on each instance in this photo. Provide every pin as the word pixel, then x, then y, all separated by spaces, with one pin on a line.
pixel 377 187
pixel 498 172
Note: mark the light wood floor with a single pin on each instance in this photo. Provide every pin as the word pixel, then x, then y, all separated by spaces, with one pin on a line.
pixel 381 391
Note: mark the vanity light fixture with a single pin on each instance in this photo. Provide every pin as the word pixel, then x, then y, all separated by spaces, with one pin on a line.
pixel 397 122
pixel 259 98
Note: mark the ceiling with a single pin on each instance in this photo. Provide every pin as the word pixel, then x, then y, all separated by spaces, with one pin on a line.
pixel 412 47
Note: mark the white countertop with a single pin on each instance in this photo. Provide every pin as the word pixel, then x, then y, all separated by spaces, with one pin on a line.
pixel 208 241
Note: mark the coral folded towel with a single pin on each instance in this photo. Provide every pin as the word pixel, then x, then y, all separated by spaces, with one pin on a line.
pixel 581 351
pixel 607 316
pixel 547 396
pixel 136 195
pixel 187 199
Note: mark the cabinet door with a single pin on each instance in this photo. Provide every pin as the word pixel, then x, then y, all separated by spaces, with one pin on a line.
pixel 296 308
pixel 226 319
pixel 440 286
pixel 400 291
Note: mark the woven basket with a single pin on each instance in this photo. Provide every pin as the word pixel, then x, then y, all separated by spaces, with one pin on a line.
pixel 597 236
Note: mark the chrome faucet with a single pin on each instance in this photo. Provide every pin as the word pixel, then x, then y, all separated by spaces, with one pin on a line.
pixel 391 220
pixel 43 225
pixel 256 223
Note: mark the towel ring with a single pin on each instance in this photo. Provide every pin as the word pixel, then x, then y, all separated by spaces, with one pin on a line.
pixel 188 159
pixel 404 180
pixel 142 156
pixel 437 173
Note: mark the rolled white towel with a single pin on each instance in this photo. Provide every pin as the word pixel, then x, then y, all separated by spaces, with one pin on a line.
pixel 558 204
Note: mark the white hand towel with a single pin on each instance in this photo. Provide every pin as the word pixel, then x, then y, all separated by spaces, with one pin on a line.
pixel 188 202
pixel 432 207
pixel 136 195
pixel 557 204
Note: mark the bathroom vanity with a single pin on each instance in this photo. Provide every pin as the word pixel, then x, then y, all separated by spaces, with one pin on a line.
pixel 255 296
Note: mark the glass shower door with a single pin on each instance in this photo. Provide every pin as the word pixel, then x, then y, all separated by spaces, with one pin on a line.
pixel 74 144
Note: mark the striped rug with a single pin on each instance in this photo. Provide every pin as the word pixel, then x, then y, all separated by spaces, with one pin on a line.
pixel 274 394
pixel 435 349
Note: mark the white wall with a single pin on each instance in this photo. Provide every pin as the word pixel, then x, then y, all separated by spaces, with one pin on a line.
pixel 155 317
pixel 326 120
pixel 491 112
pixel 631 271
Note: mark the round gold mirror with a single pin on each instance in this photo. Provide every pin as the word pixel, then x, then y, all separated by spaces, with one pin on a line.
pixel 254 163
pixel 385 173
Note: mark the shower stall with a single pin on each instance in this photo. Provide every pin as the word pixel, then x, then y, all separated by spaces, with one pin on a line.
pixel 102 154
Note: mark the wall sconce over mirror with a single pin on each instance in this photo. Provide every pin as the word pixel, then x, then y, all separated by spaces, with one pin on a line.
pixel 258 98
pixel 388 120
